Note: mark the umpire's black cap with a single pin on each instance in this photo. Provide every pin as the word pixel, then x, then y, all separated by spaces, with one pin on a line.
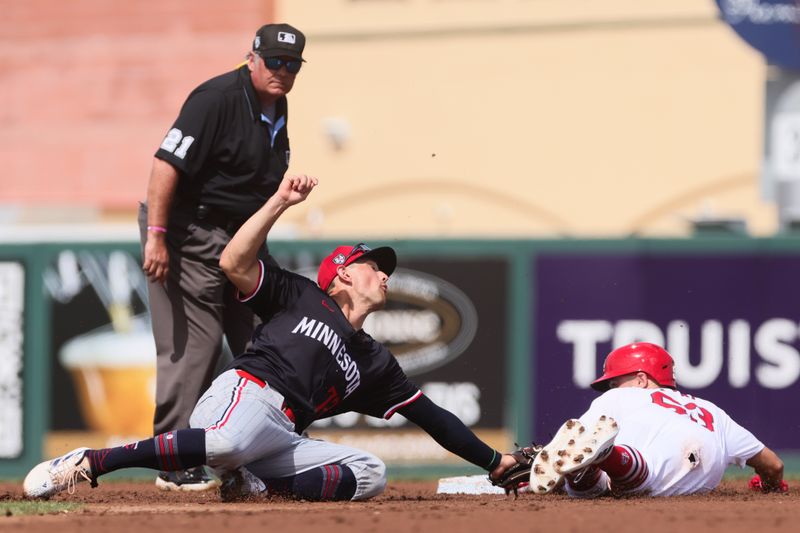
pixel 274 40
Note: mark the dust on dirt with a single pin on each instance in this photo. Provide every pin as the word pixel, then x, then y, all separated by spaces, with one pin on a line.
pixel 407 506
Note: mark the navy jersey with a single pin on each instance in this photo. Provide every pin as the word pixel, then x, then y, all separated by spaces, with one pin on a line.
pixel 308 351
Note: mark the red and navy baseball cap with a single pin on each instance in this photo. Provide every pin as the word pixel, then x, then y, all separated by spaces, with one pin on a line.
pixel 345 255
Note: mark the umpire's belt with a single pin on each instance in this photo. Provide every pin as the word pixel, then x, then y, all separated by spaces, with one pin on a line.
pixel 216 217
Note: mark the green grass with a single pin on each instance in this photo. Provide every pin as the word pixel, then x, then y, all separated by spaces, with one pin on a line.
pixel 19 508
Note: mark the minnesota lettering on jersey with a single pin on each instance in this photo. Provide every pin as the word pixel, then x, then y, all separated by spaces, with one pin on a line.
pixel 318 330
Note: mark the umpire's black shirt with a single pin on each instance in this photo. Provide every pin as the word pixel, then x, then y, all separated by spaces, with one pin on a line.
pixel 229 158
pixel 308 351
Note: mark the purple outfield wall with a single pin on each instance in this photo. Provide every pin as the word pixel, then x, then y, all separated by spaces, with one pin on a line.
pixel 730 321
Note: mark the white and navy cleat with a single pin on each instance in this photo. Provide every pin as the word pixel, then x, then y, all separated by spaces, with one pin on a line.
pixel 571 450
pixel 195 479
pixel 62 473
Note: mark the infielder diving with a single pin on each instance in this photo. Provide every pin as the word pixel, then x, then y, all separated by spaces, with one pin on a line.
pixel 309 359
pixel 646 437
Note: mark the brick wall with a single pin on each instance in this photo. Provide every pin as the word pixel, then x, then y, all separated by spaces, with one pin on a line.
pixel 88 88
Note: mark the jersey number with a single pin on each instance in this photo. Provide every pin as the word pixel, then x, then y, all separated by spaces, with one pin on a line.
pixel 176 143
pixel 696 414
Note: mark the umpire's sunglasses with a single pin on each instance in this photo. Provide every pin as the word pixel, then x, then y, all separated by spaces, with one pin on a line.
pixel 275 63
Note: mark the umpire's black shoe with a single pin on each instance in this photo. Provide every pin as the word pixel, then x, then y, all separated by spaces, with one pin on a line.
pixel 193 479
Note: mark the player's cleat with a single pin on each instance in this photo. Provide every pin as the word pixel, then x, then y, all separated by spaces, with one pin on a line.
pixel 191 480
pixel 51 477
pixel 241 485
pixel 572 449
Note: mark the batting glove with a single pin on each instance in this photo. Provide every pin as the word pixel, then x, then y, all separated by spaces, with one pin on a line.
pixel 756 484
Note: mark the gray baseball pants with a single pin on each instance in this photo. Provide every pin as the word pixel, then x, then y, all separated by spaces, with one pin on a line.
pixel 190 313
pixel 245 426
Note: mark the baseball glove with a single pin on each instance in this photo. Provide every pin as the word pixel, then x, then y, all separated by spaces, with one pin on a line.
pixel 518 476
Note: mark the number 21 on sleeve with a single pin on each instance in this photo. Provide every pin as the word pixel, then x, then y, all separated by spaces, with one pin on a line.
pixel 176 143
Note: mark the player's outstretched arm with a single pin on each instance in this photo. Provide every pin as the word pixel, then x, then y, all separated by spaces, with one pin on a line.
pixel 769 468
pixel 239 259
pixel 454 436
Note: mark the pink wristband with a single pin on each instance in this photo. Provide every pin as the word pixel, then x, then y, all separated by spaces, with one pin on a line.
pixel 157 229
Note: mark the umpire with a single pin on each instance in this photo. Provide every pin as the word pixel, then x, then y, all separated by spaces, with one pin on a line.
pixel 224 156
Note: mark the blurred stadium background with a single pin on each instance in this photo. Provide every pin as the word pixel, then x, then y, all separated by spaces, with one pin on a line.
pixel 563 175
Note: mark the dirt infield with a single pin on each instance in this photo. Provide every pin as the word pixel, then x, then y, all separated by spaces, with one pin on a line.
pixel 409 506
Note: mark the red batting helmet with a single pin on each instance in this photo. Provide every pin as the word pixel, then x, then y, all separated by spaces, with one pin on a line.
pixel 651 359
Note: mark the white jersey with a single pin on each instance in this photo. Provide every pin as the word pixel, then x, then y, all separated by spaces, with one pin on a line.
pixel 686 441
